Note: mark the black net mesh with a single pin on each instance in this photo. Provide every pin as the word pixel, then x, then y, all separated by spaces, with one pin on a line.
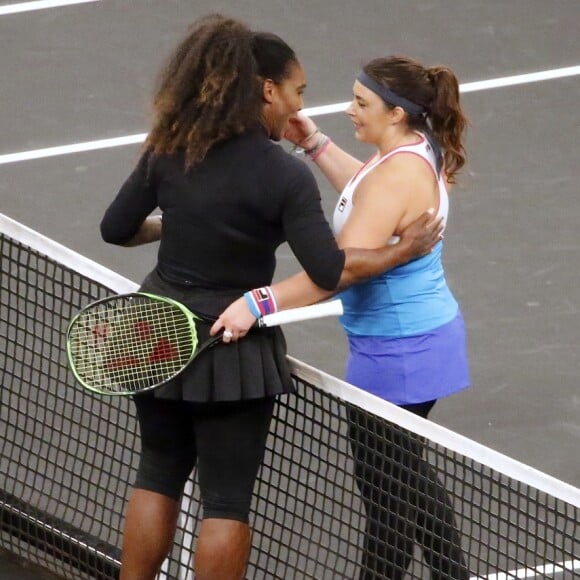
pixel 343 493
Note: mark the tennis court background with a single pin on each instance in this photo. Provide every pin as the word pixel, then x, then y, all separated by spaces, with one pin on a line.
pixel 85 72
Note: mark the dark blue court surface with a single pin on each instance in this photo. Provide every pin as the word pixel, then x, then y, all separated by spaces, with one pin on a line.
pixel 85 72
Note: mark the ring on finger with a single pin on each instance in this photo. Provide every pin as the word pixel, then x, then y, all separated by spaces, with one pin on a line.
pixel 228 334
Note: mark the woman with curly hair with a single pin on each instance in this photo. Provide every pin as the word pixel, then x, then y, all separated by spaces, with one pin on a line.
pixel 229 196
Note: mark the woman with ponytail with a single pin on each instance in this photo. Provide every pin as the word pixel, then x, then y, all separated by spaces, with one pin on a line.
pixel 229 196
pixel 404 327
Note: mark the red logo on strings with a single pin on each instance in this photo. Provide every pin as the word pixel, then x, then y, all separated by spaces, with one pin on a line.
pixel 163 351
pixel 100 331
pixel 143 329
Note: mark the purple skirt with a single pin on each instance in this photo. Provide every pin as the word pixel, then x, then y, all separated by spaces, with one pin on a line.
pixel 412 369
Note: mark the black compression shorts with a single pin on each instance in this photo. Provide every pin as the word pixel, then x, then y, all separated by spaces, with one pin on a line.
pixel 226 440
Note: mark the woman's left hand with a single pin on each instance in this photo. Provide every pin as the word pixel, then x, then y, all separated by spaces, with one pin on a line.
pixel 236 320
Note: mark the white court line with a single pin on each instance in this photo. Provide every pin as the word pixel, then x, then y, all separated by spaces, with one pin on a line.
pixel 74 148
pixel 39 5
pixel 497 83
pixel 312 111
pixel 538 572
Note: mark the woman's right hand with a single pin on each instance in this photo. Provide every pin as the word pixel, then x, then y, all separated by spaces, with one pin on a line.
pixel 236 320
pixel 422 235
pixel 299 129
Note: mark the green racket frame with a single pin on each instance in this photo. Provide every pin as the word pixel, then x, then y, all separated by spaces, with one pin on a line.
pixel 101 343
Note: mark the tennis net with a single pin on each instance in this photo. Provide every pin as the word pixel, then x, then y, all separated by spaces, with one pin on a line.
pixel 340 463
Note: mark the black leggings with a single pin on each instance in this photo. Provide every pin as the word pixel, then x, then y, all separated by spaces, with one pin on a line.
pixel 404 500
pixel 226 440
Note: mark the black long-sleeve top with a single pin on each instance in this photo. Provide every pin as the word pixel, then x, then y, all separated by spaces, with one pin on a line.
pixel 224 218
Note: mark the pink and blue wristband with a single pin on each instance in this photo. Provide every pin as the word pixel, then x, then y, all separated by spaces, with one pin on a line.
pixel 261 301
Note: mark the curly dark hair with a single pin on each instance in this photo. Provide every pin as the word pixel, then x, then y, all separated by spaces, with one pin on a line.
pixel 211 88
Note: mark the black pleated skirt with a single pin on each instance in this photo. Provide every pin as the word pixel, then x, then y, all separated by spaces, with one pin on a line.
pixel 254 367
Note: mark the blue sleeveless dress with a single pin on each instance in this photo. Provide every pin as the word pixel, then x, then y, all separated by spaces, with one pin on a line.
pixel 406 334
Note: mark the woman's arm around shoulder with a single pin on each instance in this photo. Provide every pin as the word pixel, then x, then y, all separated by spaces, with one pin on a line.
pixel 417 240
pixel 388 199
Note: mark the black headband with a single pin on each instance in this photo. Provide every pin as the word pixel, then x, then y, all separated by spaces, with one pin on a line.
pixel 389 96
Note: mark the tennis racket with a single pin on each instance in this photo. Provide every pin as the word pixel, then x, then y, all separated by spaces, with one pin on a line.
pixel 131 343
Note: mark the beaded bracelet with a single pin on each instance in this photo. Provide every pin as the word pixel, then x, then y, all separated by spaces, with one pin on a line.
pixel 261 301
pixel 306 139
pixel 320 150
pixel 323 142
pixel 299 148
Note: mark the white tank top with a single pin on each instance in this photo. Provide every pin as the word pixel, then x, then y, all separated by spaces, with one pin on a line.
pixel 423 149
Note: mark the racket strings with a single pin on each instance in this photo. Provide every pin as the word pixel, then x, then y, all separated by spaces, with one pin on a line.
pixel 133 346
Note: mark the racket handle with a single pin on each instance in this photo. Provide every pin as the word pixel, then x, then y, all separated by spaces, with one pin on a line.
pixel 331 308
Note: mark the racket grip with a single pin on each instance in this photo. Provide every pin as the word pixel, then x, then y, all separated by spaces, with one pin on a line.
pixel 331 308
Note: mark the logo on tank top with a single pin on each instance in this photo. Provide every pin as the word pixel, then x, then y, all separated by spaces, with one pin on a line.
pixel 342 203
